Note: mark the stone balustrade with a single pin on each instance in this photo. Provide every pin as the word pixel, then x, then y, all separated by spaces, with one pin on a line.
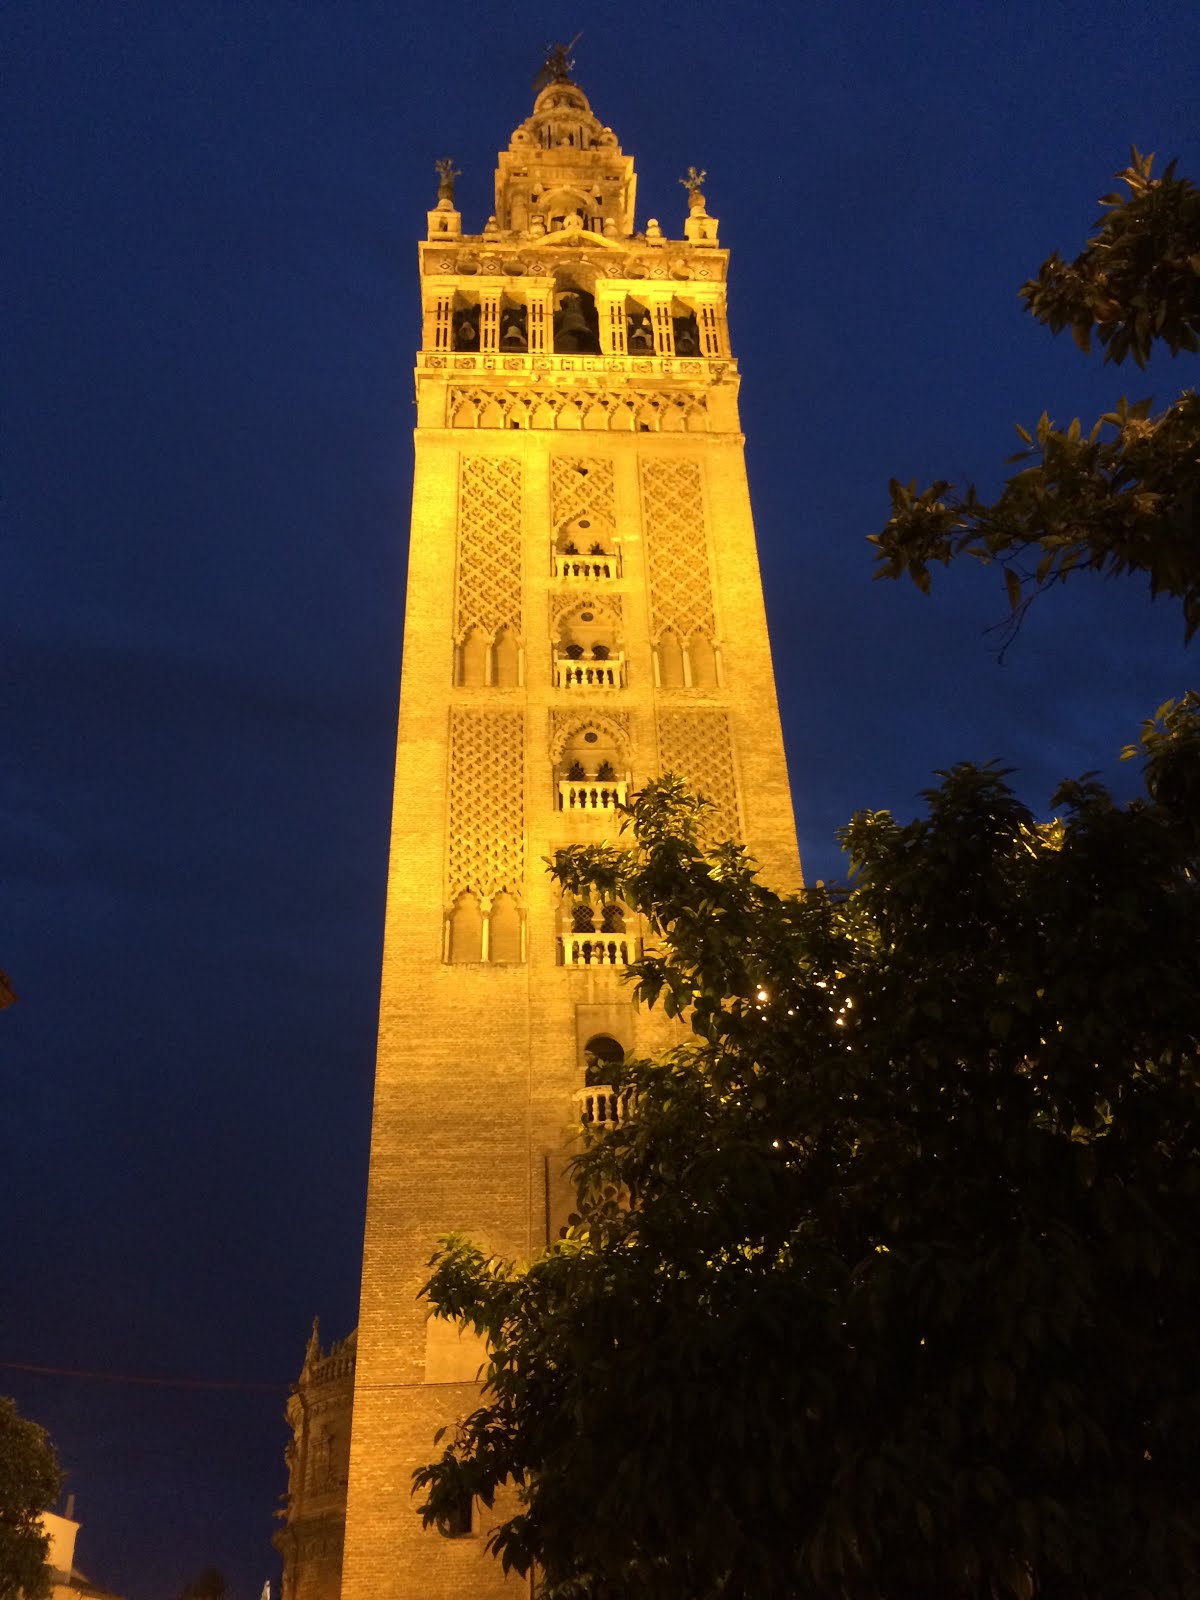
pixel 587 569
pixel 599 949
pixel 602 1107
pixel 591 794
pixel 581 674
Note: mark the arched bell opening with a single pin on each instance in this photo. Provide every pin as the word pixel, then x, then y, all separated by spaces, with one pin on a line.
pixel 576 323
pixel 639 328
pixel 465 931
pixel 464 322
pixel 514 325
pixel 686 329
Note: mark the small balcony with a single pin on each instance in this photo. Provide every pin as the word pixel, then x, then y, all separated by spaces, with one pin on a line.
pixel 595 567
pixel 572 672
pixel 599 949
pixel 602 1107
pixel 591 795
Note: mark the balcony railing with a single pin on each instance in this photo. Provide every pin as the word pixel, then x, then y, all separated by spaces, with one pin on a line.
pixel 591 794
pixel 599 949
pixel 604 1107
pixel 590 568
pixel 609 674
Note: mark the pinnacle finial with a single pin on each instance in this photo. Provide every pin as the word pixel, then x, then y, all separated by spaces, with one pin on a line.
pixel 558 65
pixel 446 176
pixel 694 184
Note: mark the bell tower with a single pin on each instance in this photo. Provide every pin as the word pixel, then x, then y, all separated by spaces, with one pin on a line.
pixel 584 611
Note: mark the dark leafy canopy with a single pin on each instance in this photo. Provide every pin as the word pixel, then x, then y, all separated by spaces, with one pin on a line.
pixel 1124 497
pixel 29 1482
pixel 906 1298
pixel 208 1585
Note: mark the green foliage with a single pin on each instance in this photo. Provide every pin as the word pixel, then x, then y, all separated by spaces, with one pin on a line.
pixel 1138 280
pixel 29 1482
pixel 1124 497
pixel 905 1297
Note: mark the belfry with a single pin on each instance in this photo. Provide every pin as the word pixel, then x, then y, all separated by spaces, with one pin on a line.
pixel 584 611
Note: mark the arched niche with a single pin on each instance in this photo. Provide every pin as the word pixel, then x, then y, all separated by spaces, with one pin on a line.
pixel 668 653
pixel 702 659
pixel 506 672
pixel 473 655
pixel 504 931
pixel 466 929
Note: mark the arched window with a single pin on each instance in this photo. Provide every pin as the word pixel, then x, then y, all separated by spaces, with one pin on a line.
pixel 600 1055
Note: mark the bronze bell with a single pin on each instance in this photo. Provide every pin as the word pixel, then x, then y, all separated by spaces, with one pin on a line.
pixel 571 331
pixel 641 338
pixel 686 343
pixel 512 334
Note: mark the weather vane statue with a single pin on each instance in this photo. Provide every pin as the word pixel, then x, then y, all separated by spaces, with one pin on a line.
pixel 694 184
pixel 446 176
pixel 558 65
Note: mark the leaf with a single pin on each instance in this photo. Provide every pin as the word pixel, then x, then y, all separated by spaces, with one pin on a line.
pixel 1013 585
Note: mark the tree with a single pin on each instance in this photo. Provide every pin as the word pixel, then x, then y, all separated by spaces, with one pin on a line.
pixel 892 1286
pixel 209 1585
pixel 29 1482
pixel 1125 497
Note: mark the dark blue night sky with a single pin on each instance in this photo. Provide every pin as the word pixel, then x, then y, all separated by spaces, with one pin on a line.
pixel 211 314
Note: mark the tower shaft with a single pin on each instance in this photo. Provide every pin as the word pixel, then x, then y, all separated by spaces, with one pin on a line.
pixel 584 611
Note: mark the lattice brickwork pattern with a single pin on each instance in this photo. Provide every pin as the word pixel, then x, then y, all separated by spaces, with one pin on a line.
pixel 582 486
pixel 486 824
pixel 677 548
pixel 698 746
pixel 489 546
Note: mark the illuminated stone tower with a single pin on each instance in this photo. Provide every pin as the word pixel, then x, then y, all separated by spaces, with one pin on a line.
pixel 584 610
